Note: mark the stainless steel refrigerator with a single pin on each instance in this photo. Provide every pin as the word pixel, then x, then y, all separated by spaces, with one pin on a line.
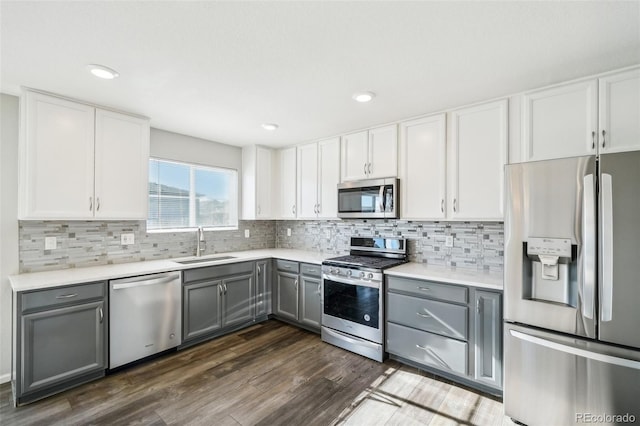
pixel 572 291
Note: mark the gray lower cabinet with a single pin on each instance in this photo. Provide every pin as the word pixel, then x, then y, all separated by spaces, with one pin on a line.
pixel 61 338
pixel 453 330
pixel 217 299
pixel 297 293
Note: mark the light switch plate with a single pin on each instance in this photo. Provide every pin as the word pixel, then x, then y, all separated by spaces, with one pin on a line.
pixel 448 242
pixel 127 239
pixel 288 232
pixel 50 243
pixel 246 233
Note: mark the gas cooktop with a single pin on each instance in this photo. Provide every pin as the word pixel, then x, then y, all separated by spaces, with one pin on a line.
pixel 360 261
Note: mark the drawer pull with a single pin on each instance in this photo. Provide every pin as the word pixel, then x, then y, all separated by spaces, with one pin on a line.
pixel 434 356
pixel 424 288
pixel 423 315
pixel 67 296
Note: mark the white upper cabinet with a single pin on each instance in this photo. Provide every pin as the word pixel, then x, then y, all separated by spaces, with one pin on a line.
pixel 288 206
pixel 422 153
pixel 619 112
pixel 81 162
pixel 257 169
pixel 318 178
pixel 121 166
pixel 477 156
pixel 370 154
pixel 560 121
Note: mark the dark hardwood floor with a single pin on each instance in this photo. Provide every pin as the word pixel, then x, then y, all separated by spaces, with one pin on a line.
pixel 269 374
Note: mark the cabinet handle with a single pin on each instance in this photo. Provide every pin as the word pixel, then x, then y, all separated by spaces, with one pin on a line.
pixel 101 315
pixel 442 205
pixel 293 209
pixel 259 271
pixel 423 315
pixel 97 203
pixel 423 288
pixel 90 203
pixel 369 168
pixel 603 141
pixel 455 205
pixel 478 306
pixel 593 140
pixel 225 288
pixel 295 283
pixel 365 169
pixel 67 296
pixel 220 289
pixel 319 290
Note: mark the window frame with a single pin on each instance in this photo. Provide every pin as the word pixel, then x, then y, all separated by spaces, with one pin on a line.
pixel 192 199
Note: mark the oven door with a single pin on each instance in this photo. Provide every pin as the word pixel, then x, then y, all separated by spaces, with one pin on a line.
pixel 352 307
pixel 375 198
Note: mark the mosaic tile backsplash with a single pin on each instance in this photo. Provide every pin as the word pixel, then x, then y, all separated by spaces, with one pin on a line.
pixel 90 243
pixel 477 245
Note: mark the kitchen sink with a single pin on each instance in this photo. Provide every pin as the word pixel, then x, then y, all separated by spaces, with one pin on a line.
pixel 205 260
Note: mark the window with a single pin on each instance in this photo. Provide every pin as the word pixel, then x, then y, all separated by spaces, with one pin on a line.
pixel 187 196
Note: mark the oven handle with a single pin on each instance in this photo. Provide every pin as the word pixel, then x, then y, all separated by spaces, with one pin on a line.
pixel 344 280
pixel 346 338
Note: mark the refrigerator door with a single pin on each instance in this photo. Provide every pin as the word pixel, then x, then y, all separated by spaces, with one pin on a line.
pixel 559 380
pixel 550 245
pixel 620 248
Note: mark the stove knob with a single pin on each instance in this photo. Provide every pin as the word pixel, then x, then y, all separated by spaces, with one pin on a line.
pixel 334 271
pixel 362 274
pixel 370 275
pixel 349 273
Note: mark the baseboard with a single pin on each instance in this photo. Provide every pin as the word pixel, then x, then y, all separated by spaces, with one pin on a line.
pixel 4 378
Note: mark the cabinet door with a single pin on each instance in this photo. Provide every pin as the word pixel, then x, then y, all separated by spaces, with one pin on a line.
pixel 307 181
pixel 287 295
pixel 311 308
pixel 488 338
pixel 121 166
pixel 383 152
pixel 262 291
pixel 477 158
pixel 263 183
pixel 288 205
pixel 619 112
pixel 422 168
pixel 237 300
pixel 355 157
pixel 202 313
pixel 328 178
pixel 560 122
pixel 62 344
pixel 56 155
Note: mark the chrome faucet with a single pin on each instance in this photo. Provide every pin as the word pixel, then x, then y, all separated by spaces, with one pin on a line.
pixel 201 243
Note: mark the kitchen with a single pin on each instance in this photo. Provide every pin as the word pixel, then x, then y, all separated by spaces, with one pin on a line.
pixel 543 86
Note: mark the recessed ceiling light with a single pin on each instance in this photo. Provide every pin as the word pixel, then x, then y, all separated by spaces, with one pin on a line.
pixel 363 96
pixel 270 126
pixel 102 72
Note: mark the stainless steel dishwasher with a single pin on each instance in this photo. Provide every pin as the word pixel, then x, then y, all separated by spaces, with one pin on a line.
pixel 145 316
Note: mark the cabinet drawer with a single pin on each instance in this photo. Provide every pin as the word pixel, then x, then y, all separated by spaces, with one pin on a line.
pixel 449 292
pixel 214 272
pixel 287 265
pixel 428 315
pixel 62 295
pixel 426 348
pixel 310 269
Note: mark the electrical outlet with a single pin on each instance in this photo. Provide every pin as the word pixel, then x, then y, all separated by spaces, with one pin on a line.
pixel 288 232
pixel 50 243
pixel 127 239
pixel 247 234
pixel 448 242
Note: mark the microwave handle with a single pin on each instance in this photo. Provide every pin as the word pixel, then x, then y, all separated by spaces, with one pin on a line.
pixel 381 198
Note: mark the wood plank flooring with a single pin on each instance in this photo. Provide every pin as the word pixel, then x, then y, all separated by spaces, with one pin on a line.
pixel 268 374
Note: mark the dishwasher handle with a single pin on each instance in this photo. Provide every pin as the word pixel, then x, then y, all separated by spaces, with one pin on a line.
pixel 143 281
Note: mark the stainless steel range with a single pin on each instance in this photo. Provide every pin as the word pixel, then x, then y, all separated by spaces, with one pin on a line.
pixel 352 294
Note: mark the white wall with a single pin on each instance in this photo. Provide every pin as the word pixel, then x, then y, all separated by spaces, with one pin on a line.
pixel 8 222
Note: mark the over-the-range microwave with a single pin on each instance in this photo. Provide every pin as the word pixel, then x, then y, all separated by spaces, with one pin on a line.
pixel 369 199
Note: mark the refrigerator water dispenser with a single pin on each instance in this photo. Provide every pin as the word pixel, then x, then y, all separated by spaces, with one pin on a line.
pixel 550 270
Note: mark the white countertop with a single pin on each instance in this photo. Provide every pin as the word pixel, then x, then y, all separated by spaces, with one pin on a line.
pixel 423 271
pixel 46 279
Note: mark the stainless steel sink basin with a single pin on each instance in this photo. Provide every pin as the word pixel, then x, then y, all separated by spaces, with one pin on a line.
pixel 205 260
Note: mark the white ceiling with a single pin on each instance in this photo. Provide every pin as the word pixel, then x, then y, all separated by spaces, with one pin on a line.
pixel 217 70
